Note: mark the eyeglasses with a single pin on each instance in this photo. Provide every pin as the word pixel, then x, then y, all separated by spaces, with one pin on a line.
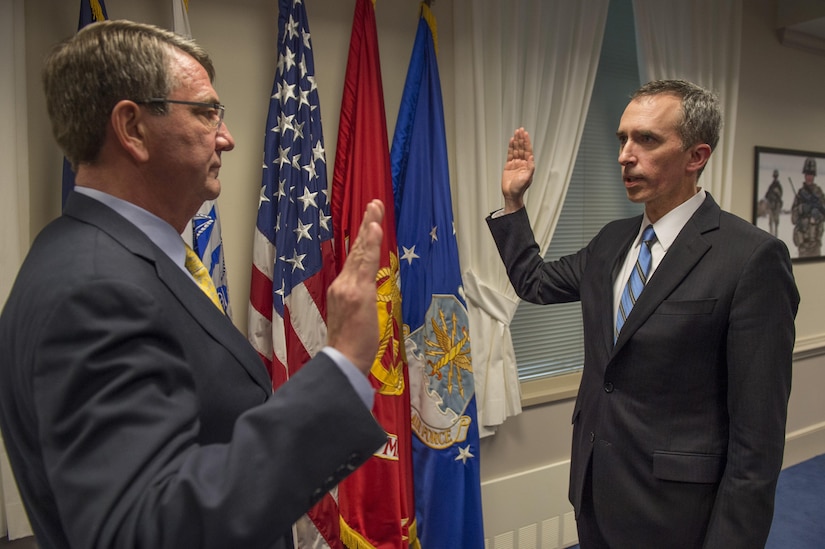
pixel 214 118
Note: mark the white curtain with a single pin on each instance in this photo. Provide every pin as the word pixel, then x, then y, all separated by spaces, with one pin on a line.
pixel 698 41
pixel 529 63
pixel 14 209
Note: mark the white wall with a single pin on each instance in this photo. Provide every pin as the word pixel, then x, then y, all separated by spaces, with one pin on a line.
pixel 524 465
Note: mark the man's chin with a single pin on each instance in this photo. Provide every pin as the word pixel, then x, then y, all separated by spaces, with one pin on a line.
pixel 635 195
pixel 213 189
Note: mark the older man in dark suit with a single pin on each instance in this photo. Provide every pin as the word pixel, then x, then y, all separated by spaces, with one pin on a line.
pixel 688 311
pixel 134 413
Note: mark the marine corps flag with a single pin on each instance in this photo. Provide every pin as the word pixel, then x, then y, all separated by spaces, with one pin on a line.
pixel 442 390
pixel 91 11
pixel 376 502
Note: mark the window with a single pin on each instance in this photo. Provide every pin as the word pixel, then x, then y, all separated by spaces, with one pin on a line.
pixel 548 339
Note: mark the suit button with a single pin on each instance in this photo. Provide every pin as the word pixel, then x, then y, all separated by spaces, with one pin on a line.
pixel 608 387
pixel 592 436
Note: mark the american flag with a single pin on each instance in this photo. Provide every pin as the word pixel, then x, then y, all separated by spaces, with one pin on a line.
pixel 293 262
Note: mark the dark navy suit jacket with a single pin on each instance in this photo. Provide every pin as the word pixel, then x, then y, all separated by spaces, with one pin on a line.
pixel 136 415
pixel 683 419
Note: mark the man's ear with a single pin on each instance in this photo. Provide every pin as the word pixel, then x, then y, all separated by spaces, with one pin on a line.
pixel 128 126
pixel 699 156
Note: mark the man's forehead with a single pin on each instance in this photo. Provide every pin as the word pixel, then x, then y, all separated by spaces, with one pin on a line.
pixel 190 75
pixel 651 112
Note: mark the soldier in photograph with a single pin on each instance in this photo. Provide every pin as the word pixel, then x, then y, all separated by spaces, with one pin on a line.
pixel 808 213
pixel 773 200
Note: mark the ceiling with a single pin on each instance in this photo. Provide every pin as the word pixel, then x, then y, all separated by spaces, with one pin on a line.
pixel 801 24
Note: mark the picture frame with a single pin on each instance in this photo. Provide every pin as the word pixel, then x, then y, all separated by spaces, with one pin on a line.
pixel 798 219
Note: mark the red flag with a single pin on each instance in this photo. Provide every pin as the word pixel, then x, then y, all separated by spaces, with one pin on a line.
pixel 292 255
pixel 376 502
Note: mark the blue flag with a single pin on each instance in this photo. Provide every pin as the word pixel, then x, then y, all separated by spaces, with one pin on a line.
pixel 91 11
pixel 208 244
pixel 442 391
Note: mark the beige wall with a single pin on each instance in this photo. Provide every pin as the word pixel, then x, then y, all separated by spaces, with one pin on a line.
pixel 781 104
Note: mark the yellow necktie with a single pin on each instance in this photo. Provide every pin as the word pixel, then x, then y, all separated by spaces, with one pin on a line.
pixel 201 275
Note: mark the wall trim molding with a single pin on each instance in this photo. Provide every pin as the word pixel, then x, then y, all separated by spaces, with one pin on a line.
pixel 804 444
pixel 809 346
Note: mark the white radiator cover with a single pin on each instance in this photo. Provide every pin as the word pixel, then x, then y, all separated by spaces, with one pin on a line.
pixel 529 510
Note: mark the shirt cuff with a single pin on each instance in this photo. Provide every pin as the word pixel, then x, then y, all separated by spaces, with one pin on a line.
pixel 355 376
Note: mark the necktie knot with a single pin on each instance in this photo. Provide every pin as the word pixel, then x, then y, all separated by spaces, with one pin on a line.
pixel 636 282
pixel 648 235
pixel 198 271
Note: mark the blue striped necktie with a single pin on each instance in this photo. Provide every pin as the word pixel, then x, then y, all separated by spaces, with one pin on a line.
pixel 637 281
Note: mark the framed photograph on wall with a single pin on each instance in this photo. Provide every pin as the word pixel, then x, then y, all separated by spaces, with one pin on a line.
pixel 788 199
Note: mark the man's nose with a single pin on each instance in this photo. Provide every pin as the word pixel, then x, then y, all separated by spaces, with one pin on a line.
pixel 225 141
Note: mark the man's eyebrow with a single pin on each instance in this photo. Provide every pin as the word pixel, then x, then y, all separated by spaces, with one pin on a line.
pixel 644 132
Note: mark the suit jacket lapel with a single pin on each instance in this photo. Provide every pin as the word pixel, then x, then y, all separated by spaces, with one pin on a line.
pixel 688 248
pixel 218 325
pixel 190 296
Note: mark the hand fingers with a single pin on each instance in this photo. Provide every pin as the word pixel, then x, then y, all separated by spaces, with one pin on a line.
pixel 352 322
pixel 366 252
pixel 519 147
pixel 374 213
pixel 524 143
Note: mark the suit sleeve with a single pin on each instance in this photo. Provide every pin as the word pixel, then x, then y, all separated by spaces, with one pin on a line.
pixel 118 421
pixel 533 279
pixel 760 342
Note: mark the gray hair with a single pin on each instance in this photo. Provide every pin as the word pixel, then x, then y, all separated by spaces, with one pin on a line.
pixel 85 76
pixel 701 115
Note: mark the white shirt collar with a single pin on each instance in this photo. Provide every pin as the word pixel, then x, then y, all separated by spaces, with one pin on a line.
pixel 672 223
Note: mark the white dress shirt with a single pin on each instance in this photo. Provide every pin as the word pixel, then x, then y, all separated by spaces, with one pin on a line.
pixel 666 229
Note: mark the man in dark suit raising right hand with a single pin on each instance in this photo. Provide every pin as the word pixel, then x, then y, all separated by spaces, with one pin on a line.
pixel 679 423
pixel 134 413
